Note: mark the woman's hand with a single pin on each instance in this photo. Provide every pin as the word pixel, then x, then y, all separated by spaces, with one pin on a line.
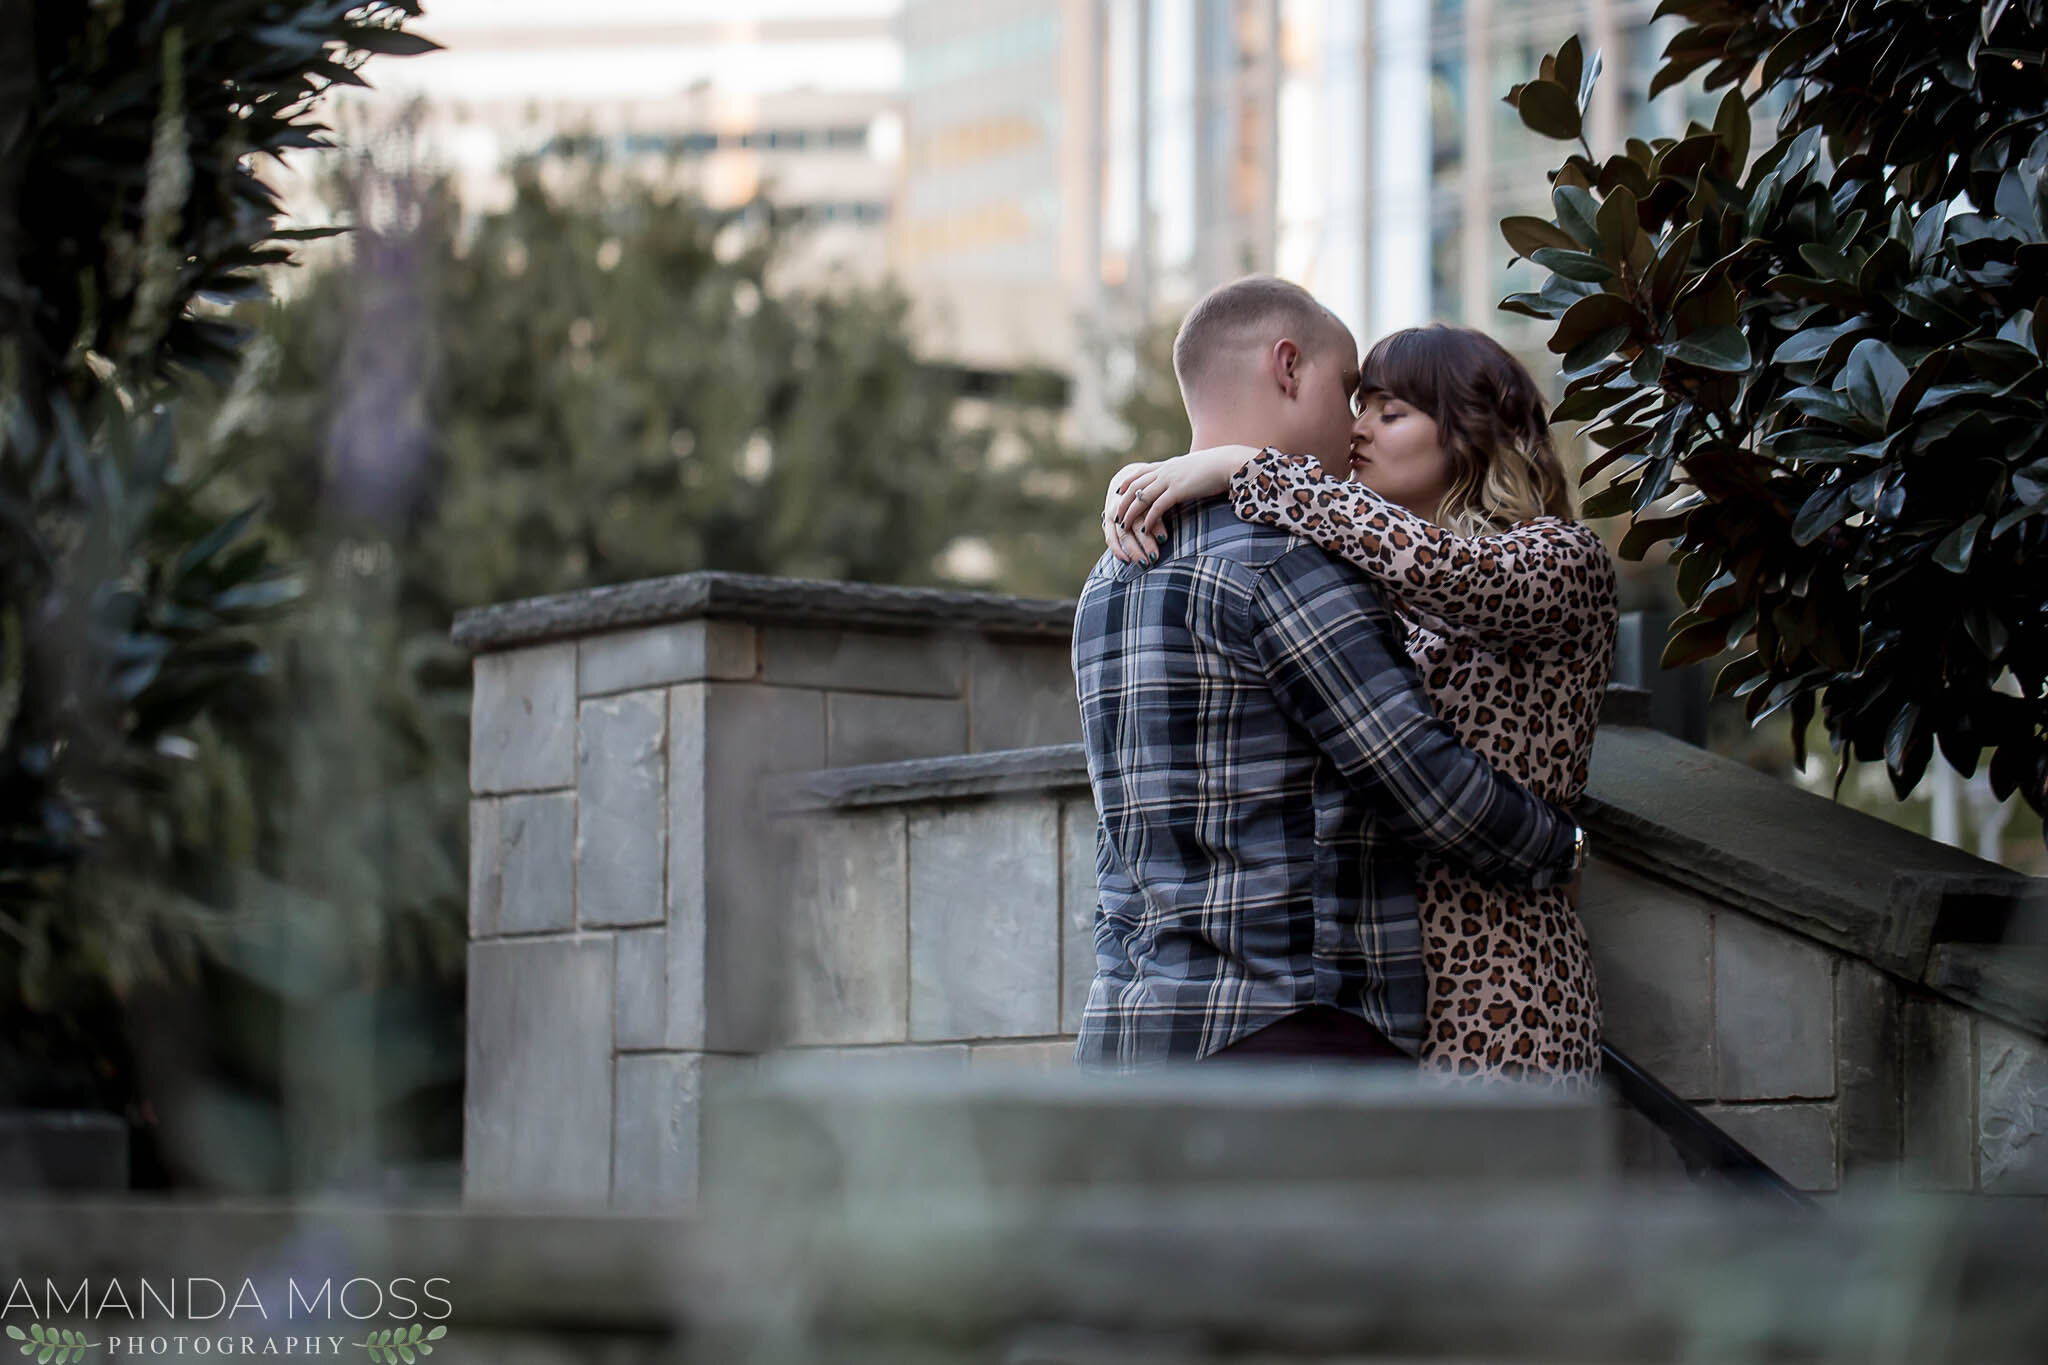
pixel 1124 544
pixel 1184 478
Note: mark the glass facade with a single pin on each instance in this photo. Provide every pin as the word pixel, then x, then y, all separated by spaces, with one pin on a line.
pixel 1124 156
pixel 1360 147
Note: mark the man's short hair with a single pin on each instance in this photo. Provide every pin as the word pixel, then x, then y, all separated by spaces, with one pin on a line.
pixel 1232 314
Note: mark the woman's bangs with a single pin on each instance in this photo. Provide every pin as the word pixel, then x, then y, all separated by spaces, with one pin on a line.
pixel 1404 366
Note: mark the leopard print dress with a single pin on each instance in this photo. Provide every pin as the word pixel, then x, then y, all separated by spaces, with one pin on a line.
pixel 1513 634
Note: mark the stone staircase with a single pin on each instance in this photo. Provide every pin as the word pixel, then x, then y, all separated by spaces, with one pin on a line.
pixel 718 818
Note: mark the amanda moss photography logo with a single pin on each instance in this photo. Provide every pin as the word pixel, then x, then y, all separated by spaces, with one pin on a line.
pixel 392 1322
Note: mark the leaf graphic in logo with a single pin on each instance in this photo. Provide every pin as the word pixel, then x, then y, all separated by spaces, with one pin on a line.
pixel 405 1343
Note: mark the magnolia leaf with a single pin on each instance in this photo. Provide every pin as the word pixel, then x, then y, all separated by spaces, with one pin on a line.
pixel 2006 767
pixel 1891 501
pixel 1655 482
pixel 1568 65
pixel 1872 379
pixel 389 41
pixel 1812 343
pixel 2015 202
pixel 1674 259
pixel 1988 632
pixel 1647 531
pixel 1590 316
pixel 1563 293
pixel 1828 406
pixel 1649 366
pixel 1815 446
pixel 1731 124
pixel 1605 461
pixel 1621 172
pixel 2012 518
pixel 1903 739
pixel 1696 573
pixel 1549 109
pixel 1695 644
pixel 1675 70
pixel 1954 551
pixel 1614 432
pixel 1530 235
pixel 1686 158
pixel 1610 501
pixel 1795 317
pixel 1617 222
pixel 1573 265
pixel 2030 485
pixel 1794 47
pixel 1763 202
pixel 1823 509
pixel 1579 405
pixel 1738 675
pixel 1830 264
pixel 1577 213
pixel 1593 351
pixel 1713 348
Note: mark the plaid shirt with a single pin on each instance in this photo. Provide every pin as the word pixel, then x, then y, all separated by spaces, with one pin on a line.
pixel 1265 764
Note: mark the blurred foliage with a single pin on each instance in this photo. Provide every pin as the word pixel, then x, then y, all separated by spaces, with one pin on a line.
pixel 1819 372
pixel 133 179
pixel 604 382
pixel 133 595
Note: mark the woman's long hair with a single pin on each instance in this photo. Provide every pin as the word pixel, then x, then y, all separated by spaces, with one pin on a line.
pixel 1504 467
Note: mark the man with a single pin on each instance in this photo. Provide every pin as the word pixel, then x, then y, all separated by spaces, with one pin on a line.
pixel 1264 759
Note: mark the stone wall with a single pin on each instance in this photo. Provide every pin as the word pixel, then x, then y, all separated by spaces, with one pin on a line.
pixel 717 816
pixel 630 894
pixel 1195 1274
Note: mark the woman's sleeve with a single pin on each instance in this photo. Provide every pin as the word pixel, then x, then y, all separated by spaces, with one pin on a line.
pixel 1540 583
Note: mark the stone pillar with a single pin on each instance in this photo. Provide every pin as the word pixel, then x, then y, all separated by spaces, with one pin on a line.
pixel 631 898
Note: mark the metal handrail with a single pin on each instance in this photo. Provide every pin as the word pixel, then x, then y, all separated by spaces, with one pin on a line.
pixel 1702 1144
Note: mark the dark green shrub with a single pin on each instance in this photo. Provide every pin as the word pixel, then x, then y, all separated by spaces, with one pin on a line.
pixel 1818 372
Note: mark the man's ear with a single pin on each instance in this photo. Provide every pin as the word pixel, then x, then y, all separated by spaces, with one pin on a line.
pixel 1285 360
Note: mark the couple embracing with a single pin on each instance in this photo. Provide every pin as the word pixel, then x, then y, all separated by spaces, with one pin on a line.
pixel 1339 676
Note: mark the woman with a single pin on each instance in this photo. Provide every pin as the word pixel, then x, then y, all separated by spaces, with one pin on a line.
pixel 1459 506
